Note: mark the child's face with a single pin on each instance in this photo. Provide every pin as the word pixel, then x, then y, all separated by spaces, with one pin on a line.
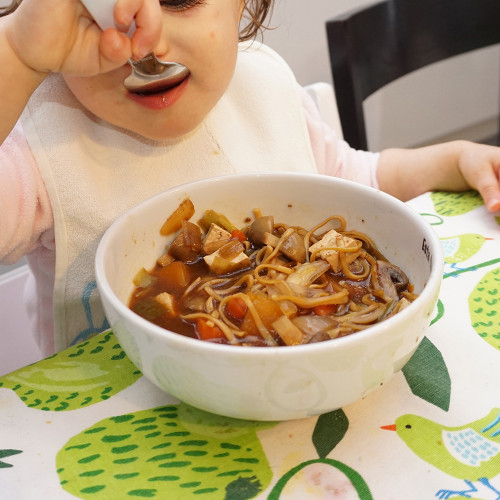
pixel 203 36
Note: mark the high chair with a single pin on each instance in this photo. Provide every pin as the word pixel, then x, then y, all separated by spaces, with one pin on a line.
pixel 323 95
pixel 17 345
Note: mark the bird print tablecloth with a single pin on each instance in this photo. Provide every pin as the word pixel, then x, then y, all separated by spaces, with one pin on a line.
pixel 85 424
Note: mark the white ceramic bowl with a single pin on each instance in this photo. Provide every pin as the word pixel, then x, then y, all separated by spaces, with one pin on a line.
pixel 274 383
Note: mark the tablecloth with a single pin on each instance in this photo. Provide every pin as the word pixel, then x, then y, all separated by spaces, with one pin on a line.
pixel 86 424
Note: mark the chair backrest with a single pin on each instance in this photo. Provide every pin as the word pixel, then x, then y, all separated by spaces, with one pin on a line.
pixel 373 46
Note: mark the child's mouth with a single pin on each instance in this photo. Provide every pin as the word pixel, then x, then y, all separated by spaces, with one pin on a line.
pixel 162 85
pixel 154 97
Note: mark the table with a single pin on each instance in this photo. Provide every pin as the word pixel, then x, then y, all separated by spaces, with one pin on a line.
pixel 86 424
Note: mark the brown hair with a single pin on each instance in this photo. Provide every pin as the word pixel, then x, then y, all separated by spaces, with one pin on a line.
pixel 255 13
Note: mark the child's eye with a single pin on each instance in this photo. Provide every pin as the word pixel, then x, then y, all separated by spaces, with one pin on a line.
pixel 180 4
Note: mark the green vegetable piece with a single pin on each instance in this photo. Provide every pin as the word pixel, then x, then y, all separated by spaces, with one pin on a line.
pixel 212 217
pixel 149 308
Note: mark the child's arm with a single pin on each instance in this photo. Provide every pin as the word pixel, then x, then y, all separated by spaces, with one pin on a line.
pixel 451 166
pixel 44 36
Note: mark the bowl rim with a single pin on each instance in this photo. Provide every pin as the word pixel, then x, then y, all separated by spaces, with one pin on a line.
pixel 431 287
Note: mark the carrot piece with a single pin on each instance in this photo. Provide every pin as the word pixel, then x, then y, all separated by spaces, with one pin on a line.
pixel 238 235
pixel 268 309
pixel 174 276
pixel 248 325
pixel 174 222
pixel 208 330
pixel 236 308
pixel 325 309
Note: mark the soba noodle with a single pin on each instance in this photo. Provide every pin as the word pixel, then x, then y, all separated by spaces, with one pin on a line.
pixel 269 284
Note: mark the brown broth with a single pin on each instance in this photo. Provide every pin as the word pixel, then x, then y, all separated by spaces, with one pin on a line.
pixel 360 294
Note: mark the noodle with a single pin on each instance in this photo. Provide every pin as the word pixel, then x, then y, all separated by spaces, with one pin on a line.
pixel 281 285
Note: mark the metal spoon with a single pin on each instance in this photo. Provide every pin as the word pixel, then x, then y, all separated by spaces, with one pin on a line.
pixel 149 73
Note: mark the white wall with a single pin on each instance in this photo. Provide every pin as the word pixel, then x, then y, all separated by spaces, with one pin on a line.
pixel 393 117
pixel 300 34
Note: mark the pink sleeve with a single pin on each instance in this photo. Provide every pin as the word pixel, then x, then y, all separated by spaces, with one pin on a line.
pixel 25 210
pixel 333 155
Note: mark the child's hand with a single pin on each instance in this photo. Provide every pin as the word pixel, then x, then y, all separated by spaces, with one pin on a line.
pixel 450 166
pixel 480 167
pixel 61 36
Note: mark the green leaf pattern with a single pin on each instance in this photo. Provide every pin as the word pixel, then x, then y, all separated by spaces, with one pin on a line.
pixel 75 378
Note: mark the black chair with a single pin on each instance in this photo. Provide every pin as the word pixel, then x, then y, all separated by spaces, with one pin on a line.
pixel 373 46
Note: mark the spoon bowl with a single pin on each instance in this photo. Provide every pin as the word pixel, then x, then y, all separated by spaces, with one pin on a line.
pixel 149 74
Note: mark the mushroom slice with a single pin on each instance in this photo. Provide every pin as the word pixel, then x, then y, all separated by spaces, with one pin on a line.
pixel 293 247
pixel 187 245
pixel 391 278
pixel 259 227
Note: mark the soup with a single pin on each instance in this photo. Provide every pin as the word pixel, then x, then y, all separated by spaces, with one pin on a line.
pixel 268 283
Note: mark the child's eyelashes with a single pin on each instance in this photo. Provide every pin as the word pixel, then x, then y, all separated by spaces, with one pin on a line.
pixel 180 4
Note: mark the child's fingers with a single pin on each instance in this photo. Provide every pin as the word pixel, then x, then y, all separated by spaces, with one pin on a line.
pixel 148 23
pixel 125 12
pixel 149 27
pixel 480 167
pixel 488 186
pixel 115 47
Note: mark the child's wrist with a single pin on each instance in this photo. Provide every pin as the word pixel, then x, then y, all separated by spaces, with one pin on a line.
pixel 25 74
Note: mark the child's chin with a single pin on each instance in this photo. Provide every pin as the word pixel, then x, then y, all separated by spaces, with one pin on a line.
pixel 169 134
pixel 170 130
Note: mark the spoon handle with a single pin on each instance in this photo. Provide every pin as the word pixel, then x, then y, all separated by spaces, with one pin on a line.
pixel 102 12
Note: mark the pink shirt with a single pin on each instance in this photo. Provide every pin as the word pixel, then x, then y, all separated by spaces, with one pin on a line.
pixel 29 227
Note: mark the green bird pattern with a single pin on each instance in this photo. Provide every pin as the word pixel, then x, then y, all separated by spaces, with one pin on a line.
pixel 470 452
pixel 461 247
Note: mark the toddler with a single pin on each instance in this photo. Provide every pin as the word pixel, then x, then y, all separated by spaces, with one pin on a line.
pixel 78 149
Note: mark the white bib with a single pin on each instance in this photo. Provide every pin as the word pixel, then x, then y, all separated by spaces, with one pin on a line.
pixel 95 171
